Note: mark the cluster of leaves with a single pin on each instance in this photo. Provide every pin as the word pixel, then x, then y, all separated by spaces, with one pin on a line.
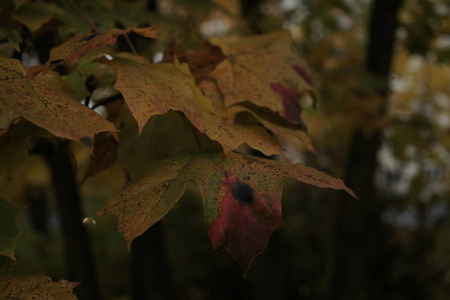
pixel 182 119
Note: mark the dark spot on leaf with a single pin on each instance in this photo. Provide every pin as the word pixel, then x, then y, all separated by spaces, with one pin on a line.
pixel 90 37
pixel 243 193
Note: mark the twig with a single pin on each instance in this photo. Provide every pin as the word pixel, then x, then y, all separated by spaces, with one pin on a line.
pixel 216 58
pixel 83 16
pixel 107 100
pixel 87 100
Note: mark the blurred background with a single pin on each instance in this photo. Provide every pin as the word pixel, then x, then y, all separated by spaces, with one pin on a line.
pixel 382 124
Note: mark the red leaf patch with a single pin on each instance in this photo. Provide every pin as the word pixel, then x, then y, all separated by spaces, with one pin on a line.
pixel 245 222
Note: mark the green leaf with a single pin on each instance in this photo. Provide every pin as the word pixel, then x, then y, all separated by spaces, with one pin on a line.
pixel 35 14
pixel 19 3
pixel 8 230
pixel 13 148
pixel 13 36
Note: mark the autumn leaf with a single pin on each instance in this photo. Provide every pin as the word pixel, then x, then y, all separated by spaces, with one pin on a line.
pixel 83 43
pixel 17 286
pixel 149 198
pixel 241 196
pixel 42 100
pixel 8 230
pixel 104 153
pixel 280 130
pixel 263 70
pixel 278 126
pixel 224 131
pixel 36 287
pixel 203 59
pixel 154 89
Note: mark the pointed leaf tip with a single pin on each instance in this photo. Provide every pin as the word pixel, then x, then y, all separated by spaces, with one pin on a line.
pixel 43 101
pixel 241 197
pixel 246 220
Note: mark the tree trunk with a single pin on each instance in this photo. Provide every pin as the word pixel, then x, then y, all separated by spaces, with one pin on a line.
pixel 361 264
pixel 149 266
pixel 80 263
pixel 38 208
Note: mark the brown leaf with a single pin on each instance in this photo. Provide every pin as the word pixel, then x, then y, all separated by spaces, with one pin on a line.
pixel 275 124
pixel 43 101
pixel 224 131
pixel 265 71
pixel 35 287
pixel 154 89
pixel 280 131
pixel 203 59
pixel 83 43
pixel 104 153
pixel 149 198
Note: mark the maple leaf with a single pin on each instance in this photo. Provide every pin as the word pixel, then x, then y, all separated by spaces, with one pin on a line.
pixel 224 131
pixel 154 89
pixel 241 197
pixel 9 232
pixel 83 43
pixel 280 129
pixel 17 286
pixel 42 100
pixel 263 70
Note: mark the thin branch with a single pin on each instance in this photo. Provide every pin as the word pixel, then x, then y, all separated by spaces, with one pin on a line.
pixel 87 100
pixel 107 100
pixel 83 16
pixel 169 58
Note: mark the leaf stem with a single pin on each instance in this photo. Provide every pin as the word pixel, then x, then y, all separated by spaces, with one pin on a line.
pixel 197 139
pixel 83 16
pixel 130 44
